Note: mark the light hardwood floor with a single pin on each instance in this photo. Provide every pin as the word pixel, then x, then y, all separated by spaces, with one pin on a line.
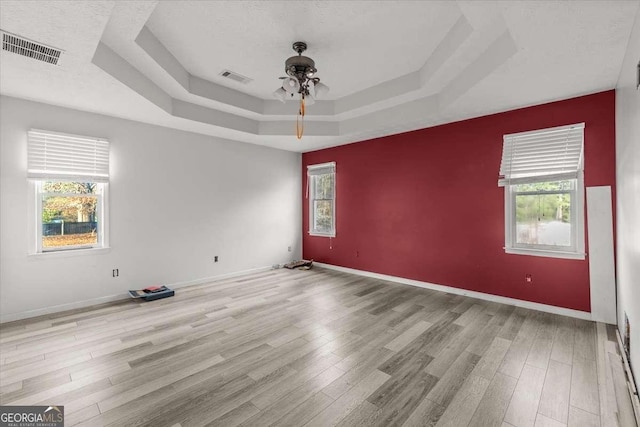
pixel 315 348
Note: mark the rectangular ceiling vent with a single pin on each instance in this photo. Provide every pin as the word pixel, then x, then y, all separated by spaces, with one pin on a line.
pixel 235 77
pixel 30 48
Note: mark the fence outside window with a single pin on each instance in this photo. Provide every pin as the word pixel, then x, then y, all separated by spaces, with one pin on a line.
pixel 65 228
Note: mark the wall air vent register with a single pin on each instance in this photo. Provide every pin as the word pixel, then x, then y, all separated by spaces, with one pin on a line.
pixel 235 77
pixel 29 48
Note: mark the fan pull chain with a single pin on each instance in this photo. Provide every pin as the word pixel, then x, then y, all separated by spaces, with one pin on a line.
pixel 300 120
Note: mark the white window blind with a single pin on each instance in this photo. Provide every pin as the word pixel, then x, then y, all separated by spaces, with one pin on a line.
pixel 54 155
pixel 542 155
pixel 321 169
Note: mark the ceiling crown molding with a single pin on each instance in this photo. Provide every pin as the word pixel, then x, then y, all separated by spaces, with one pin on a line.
pixel 408 83
pixel 421 63
pixel 400 103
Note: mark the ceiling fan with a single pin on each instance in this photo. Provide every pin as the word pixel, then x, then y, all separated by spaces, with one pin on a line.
pixel 300 80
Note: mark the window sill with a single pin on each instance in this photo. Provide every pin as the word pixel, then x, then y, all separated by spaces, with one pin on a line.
pixel 545 253
pixel 69 253
pixel 311 233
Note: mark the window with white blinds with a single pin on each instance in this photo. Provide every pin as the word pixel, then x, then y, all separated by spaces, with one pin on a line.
pixel 542 173
pixel 321 169
pixel 65 157
pixel 322 206
pixel 69 175
pixel 542 155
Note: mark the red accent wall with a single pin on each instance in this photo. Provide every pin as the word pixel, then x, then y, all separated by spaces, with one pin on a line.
pixel 425 205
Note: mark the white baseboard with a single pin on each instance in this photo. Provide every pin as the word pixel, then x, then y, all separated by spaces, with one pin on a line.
pixel 11 317
pixel 488 297
pixel 449 289
pixel 110 298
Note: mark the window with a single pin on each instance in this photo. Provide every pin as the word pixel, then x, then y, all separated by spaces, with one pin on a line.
pixel 542 172
pixel 322 193
pixel 69 175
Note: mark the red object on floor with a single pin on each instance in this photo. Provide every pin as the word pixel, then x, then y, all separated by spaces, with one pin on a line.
pixel 152 288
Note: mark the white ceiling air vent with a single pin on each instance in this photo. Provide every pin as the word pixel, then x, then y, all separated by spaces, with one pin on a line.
pixel 235 77
pixel 30 48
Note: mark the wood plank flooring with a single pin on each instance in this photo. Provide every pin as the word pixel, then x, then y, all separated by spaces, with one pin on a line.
pixel 314 348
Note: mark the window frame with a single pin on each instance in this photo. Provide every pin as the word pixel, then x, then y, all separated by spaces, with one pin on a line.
pixel 101 218
pixel 62 157
pixel 311 183
pixel 577 249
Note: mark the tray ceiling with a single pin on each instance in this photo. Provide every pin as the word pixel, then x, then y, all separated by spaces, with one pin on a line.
pixel 391 66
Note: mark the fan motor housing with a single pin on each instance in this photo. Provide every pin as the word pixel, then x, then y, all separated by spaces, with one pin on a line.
pixel 300 66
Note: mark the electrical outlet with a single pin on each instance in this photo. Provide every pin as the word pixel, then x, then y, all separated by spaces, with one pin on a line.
pixel 215 258
pixel 289 248
pixel 115 272
pixel 528 278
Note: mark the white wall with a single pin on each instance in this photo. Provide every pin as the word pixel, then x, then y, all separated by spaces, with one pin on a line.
pixel 628 195
pixel 177 199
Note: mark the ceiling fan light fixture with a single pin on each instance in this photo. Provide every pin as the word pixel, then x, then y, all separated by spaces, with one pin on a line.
pixel 280 94
pixel 291 85
pixel 301 79
pixel 309 100
pixel 311 88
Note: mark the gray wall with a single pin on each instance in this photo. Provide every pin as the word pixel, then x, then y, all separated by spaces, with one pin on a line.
pixel 176 200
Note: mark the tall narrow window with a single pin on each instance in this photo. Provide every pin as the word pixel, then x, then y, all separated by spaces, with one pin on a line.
pixel 70 175
pixel 542 173
pixel 322 196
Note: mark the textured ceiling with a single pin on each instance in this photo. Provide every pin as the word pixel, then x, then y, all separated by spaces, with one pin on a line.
pixel 254 39
pixel 392 66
